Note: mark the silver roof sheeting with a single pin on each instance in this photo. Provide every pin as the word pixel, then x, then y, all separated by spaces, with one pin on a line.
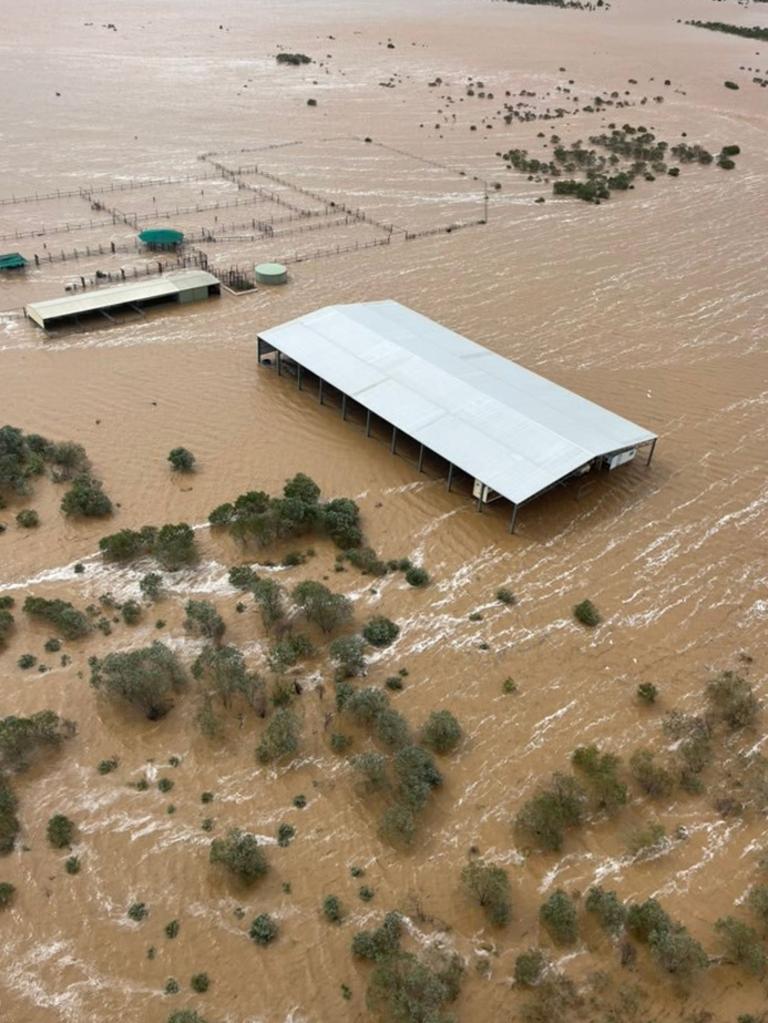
pixel 506 426
pixel 119 294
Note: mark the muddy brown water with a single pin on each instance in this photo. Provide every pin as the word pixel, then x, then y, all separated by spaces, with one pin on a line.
pixel 653 304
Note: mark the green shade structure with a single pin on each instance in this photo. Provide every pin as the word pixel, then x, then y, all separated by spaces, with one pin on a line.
pixel 271 273
pixel 12 261
pixel 161 237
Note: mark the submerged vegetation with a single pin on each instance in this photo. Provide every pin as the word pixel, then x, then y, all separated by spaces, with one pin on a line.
pixel 746 31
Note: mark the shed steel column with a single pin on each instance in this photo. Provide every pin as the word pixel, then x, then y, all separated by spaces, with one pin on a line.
pixel 450 476
pixel 320 390
pixel 393 445
pixel 279 364
pixel 513 519
pixel 650 453
pixel 368 423
pixel 343 406
pixel 259 344
pixel 421 457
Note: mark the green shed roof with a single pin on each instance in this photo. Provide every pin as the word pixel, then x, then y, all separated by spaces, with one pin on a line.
pixel 163 236
pixel 12 261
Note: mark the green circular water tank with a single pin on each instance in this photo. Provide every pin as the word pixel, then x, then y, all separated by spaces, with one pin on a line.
pixel 161 237
pixel 271 273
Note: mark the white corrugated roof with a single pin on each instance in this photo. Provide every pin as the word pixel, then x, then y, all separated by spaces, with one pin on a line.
pixel 508 427
pixel 118 294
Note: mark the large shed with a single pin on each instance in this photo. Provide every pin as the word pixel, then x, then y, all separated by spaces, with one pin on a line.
pixel 514 432
pixel 182 286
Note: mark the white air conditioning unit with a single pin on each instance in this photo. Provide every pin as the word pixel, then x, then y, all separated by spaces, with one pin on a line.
pixel 620 458
pixel 482 492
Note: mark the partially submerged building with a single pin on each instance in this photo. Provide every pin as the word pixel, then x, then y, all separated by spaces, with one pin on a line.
pixel 181 287
pixel 12 261
pixel 514 432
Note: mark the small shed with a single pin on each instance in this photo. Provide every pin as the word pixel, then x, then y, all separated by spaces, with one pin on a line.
pixel 161 238
pixel 12 261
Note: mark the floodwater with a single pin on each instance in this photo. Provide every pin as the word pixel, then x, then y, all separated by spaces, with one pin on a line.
pixel 653 304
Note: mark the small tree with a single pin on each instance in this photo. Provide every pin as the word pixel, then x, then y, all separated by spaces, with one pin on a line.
pixel 263 930
pixel 326 609
pixel 71 623
pixel 732 701
pixel 241 854
pixel 441 732
pixel 600 771
pixel 181 460
pixel 302 488
pixel 545 817
pixel 647 693
pixel 742 944
pixel 269 596
pixel 151 586
pixel 7 891
pixel 281 738
pixel 677 952
pixel 417 776
pixel 175 546
pixel 587 614
pixel 488 885
pixel 529 966
pixel 391 729
pixel 380 631
pixel 204 620
pixel 372 769
pixel 380 943
pixel 607 908
pixel 417 576
pixel 558 914
pixel 21 739
pixel 86 498
pixel 130 612
pixel 333 911
pixel 365 705
pixel 654 780
pixel 9 822
pixel 347 652
pixel 757 900
pixel 224 670
pixel 147 678
pixel 60 831
pixel 398 826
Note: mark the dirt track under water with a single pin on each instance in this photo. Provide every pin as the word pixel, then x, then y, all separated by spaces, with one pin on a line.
pixel 652 304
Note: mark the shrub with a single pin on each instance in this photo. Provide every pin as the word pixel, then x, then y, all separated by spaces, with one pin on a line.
pixel 402 987
pixel 28 518
pixel 285 835
pixel 607 908
pixel 204 620
pixel 22 738
pixel 241 854
pixel 7 892
pixel 174 546
pixel 181 460
pixel 732 701
pixel 339 742
pixel 730 150
pixel 757 900
pixel 332 909
pixel 172 929
pixel 647 839
pixel 558 914
pixel 544 818
pixel 263 929
pixel 741 944
pixel 326 609
pixel 269 596
pixel 131 612
pixel 647 692
pixel 509 687
pixel 281 738
pixel 9 822
pixel 676 951
pixel 26 661
pixel 107 766
pixel 200 982
pixel 365 705
pixel 599 770
pixel 441 732
pixel 299 801
pixel 655 781
pixel 70 622
pixel 138 911
pixel 86 498
pixel 224 670
pixel 587 614
pixel 52 645
pixel 6 626
pixel 365 893
pixel 417 776
pixel 488 885
pixel 505 596
pixel 366 559
pixel 164 784
pixel 380 631
pixel 146 678
pixel 72 865
pixel 242 577
pixel 529 966
pixel 151 585
pixel 398 825
pixel 644 918
pixel 293 58
pixel 60 831
pixel 128 544
pixel 416 576
pixel 347 652
pixel 394 682
pixel 372 769
pixel 288 651
pixel 341 519
pixel 381 943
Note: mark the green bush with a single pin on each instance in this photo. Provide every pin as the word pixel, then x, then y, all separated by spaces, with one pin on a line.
pixel 607 909
pixel 742 945
pixel 655 781
pixel 647 692
pixel 380 631
pixel 285 835
pixel 544 818
pixel 52 645
pixel 70 622
pixel 138 911
pixel 224 671
pixel 72 865
pixel 326 609
pixel 183 1015
pixel 281 737
pixel 151 586
pixel 128 544
pixel 732 701
pixel 242 577
pixel 26 661
pixel 365 705
pixel 647 839
pixel 372 770
pixel 22 738
pixel 241 854
pixel 175 547
pixel 60 831
pixel 200 982
pixel 131 612
pixel 380 943
pixel 488 885
pixel 172 929
pixel 558 915
pixel 263 929
pixel 599 770
pixel 391 729
pixel 757 901
pixel 269 596
pixel 28 518
pixel 402 987
pixel 9 822
pixel 147 678
pixel 107 766
pixel 587 614
pixel 332 909
pixel 6 626
pixel 339 742
pixel 204 620
pixel 529 966
pixel 416 576
pixel 505 596
pixel 293 58
pixel 677 952
pixel 347 653
pixel 181 460
pixel 7 892
pixel 398 826
pixel 417 776
pixel 441 732
pixel 86 498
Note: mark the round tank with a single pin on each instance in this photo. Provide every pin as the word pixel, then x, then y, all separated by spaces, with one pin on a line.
pixel 271 273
